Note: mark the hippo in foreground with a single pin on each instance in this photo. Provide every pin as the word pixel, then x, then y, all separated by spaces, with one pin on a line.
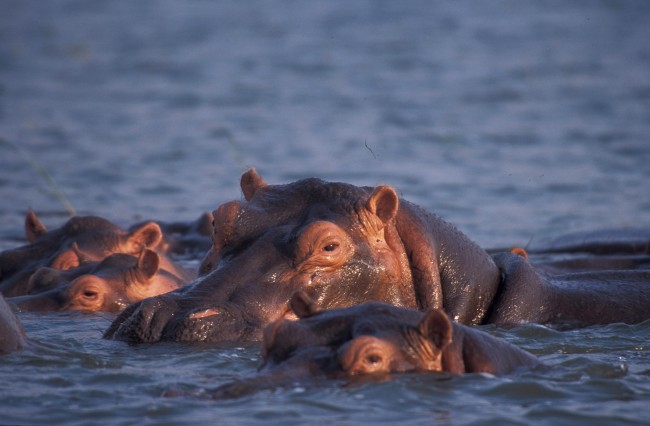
pixel 82 238
pixel 372 340
pixel 12 333
pixel 376 338
pixel 343 245
pixel 105 286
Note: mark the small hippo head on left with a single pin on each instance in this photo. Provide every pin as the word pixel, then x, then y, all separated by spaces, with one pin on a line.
pixel 106 286
pixel 59 248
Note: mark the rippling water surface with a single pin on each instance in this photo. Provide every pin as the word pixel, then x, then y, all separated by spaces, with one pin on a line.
pixel 513 120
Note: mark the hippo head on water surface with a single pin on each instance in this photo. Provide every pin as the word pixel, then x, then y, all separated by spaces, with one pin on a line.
pixel 376 338
pixel 341 244
pixel 370 341
pixel 108 285
pixel 81 238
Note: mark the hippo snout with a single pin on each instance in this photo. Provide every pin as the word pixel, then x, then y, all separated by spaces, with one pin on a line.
pixel 142 322
pixel 215 323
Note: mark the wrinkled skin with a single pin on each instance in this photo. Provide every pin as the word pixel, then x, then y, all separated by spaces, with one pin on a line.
pixel 105 286
pixel 373 339
pixel 342 244
pixel 569 295
pixel 12 334
pixel 81 239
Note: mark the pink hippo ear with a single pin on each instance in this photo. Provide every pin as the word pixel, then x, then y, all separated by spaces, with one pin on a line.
pixel 148 265
pixel 436 328
pixel 71 258
pixel 519 251
pixel 33 226
pixel 146 235
pixel 383 202
pixel 302 305
pixel 250 183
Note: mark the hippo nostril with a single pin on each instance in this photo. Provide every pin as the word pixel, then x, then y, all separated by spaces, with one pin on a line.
pixel 204 313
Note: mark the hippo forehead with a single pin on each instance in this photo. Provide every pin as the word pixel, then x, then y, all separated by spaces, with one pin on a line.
pixel 302 201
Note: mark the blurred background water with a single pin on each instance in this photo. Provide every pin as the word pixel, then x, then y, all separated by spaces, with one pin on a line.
pixel 513 120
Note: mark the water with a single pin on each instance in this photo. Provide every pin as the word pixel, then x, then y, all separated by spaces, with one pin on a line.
pixel 513 120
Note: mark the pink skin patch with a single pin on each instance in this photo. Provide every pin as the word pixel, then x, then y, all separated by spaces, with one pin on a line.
pixel 205 313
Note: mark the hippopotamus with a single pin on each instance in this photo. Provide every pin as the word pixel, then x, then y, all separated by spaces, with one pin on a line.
pixel 61 248
pixel 12 333
pixel 377 338
pixel 343 245
pixel 372 340
pixel 105 286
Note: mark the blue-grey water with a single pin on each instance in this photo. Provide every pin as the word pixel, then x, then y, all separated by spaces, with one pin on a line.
pixel 514 120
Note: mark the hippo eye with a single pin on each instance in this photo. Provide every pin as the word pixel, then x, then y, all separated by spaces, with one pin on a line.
pixel 373 359
pixel 90 294
pixel 331 247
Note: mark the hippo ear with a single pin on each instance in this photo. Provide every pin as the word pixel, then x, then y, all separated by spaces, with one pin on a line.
pixel 302 305
pixel 519 251
pixel 146 235
pixel 148 264
pixel 33 226
pixel 71 258
pixel 436 328
pixel 383 202
pixel 250 183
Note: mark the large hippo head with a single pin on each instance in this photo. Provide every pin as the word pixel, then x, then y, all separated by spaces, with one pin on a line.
pixel 60 248
pixel 341 244
pixel 105 286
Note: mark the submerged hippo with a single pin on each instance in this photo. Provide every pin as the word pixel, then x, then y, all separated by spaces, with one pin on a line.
pixel 12 333
pixel 60 248
pixel 343 245
pixel 574 296
pixel 376 338
pixel 373 339
pixel 105 286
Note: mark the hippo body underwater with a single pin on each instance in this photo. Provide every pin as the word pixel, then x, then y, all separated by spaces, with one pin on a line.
pixel 343 245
